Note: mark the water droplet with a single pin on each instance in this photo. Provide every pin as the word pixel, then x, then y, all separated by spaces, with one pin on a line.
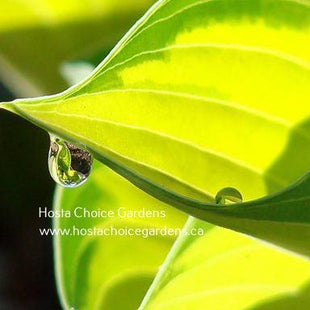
pixel 69 165
pixel 228 195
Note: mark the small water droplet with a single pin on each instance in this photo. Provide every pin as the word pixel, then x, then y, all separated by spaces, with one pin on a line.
pixel 69 165
pixel 228 195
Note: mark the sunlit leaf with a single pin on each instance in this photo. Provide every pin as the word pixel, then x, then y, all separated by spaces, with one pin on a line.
pixel 199 96
pixel 226 270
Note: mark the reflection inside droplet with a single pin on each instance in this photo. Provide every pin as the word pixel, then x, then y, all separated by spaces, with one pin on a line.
pixel 228 195
pixel 69 165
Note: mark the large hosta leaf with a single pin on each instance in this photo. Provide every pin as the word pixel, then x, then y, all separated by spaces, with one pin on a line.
pixel 37 36
pixel 108 272
pixel 225 270
pixel 198 96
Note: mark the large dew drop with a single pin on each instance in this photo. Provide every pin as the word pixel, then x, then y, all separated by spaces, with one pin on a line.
pixel 69 165
pixel 228 195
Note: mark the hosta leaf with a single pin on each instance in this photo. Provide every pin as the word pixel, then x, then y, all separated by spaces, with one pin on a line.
pixel 94 271
pixel 37 36
pixel 198 96
pixel 225 270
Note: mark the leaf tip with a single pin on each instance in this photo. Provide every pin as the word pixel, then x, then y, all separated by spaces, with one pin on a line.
pixel 7 106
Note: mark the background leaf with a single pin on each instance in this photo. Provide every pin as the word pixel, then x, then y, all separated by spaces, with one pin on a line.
pixel 227 270
pixel 36 36
pixel 108 272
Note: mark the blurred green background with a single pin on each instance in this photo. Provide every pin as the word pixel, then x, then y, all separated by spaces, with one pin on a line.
pixel 26 266
pixel 36 39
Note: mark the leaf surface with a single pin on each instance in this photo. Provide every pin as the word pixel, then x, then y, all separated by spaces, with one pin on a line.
pixel 227 270
pixel 199 96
